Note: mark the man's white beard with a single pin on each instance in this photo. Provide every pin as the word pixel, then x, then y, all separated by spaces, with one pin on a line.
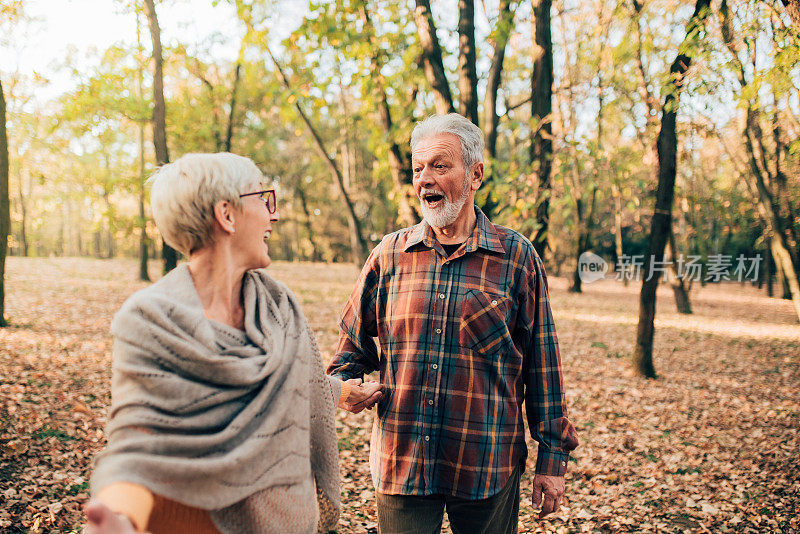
pixel 447 213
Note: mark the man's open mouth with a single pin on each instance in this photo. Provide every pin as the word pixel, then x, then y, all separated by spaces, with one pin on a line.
pixel 432 198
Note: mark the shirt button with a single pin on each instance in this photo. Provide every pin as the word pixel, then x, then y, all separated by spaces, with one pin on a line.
pixel 438 330
pixel 435 366
pixel 494 303
pixel 430 403
pixel 441 295
pixel 427 438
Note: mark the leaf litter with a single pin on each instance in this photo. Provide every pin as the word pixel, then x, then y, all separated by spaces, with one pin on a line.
pixel 710 446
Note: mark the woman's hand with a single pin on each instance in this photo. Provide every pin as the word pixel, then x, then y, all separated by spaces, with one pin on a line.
pixel 363 396
pixel 103 520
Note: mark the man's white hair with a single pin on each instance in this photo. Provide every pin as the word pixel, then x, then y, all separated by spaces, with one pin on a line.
pixel 184 194
pixel 471 136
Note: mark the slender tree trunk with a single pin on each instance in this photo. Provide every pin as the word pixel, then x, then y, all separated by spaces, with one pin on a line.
pixel 467 71
pixel 359 250
pixel 491 119
pixel 679 289
pixel 231 113
pixel 169 254
pixel 584 215
pixel 768 267
pixel 142 222
pixel 399 157
pixel 98 243
pixel 212 101
pixel 615 192
pixel 432 57
pixel 143 273
pixel 5 205
pixel 315 255
pixel 780 274
pixel 23 224
pixel 662 215
pixel 782 196
pixel 109 233
pixel 650 102
pixel 541 147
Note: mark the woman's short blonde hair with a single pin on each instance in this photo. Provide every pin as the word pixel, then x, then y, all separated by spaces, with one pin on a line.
pixel 184 194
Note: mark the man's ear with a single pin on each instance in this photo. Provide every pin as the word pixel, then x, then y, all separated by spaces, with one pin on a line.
pixel 476 178
pixel 225 216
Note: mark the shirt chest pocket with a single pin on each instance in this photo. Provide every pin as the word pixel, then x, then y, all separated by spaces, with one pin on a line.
pixel 484 323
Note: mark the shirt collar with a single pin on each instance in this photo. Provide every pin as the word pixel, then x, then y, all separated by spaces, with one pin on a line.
pixel 483 236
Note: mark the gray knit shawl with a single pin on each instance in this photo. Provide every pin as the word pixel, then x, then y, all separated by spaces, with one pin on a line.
pixel 219 428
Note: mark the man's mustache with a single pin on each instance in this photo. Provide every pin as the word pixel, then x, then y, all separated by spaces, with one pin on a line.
pixel 425 191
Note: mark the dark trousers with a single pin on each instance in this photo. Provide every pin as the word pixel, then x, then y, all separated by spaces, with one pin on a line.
pixel 413 514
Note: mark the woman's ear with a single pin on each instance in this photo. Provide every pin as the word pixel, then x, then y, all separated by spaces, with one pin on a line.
pixel 225 216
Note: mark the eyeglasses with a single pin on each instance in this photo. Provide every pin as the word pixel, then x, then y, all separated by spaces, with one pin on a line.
pixel 268 196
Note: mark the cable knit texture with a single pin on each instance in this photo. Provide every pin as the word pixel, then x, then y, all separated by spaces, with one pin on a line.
pixel 223 429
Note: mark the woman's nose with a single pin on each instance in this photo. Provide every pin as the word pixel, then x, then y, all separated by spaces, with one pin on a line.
pixel 274 217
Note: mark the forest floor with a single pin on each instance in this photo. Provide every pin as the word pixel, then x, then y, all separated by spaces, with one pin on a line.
pixel 712 445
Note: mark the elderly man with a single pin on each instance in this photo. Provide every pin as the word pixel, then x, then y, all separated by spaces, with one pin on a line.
pixel 461 310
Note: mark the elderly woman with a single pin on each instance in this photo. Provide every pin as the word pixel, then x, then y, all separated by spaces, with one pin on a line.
pixel 222 419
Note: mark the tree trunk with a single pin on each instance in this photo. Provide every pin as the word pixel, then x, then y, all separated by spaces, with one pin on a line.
pixel 315 255
pixel 662 216
pixel 679 289
pixel 23 224
pixel 5 205
pixel 432 57
pixel 467 71
pixel 781 278
pixel 541 147
pixel 768 267
pixel 615 192
pixel 491 119
pixel 682 302
pixel 583 239
pixel 399 156
pixel 359 250
pixel 650 102
pixel 229 133
pixel 169 254
pixel 143 273
pixel 584 215
pixel 142 222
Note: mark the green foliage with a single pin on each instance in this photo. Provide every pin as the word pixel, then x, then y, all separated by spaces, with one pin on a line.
pixel 75 168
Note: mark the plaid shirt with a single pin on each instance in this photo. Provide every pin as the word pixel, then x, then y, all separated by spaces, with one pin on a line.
pixel 464 341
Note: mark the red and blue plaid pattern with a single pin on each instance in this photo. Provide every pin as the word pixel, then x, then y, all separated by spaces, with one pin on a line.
pixel 464 342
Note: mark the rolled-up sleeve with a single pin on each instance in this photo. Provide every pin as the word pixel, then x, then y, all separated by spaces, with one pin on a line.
pixel 544 388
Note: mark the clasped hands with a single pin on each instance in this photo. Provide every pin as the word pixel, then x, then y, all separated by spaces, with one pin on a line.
pixel 363 395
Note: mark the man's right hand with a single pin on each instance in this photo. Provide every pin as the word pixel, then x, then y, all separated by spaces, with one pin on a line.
pixel 363 396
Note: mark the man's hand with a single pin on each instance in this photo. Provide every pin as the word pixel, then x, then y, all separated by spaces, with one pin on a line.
pixel 103 520
pixel 362 396
pixel 547 493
